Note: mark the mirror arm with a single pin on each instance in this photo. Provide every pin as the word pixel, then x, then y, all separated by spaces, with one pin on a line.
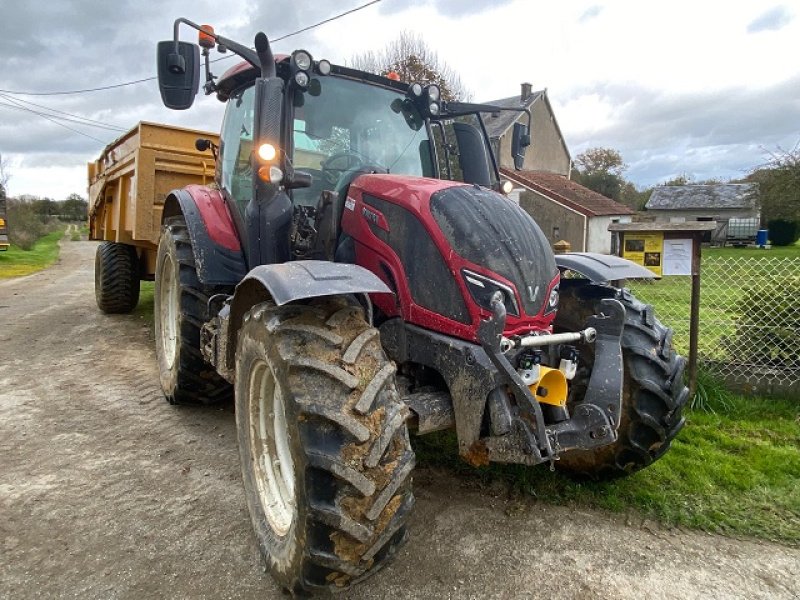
pixel 243 51
pixel 175 28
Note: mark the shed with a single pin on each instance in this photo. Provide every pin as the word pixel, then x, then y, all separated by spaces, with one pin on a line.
pixel 734 206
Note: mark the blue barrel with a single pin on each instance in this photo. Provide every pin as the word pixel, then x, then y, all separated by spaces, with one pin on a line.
pixel 761 238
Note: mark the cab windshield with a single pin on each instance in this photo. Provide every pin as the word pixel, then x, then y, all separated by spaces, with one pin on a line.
pixel 342 126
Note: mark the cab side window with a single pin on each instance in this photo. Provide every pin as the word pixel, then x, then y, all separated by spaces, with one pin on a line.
pixel 236 145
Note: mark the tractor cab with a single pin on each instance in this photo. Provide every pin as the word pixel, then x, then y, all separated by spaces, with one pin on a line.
pixel 342 123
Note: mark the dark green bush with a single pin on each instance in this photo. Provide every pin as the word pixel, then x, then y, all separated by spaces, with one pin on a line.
pixel 783 233
pixel 25 225
pixel 768 328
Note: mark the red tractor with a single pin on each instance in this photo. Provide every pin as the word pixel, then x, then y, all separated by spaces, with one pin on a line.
pixel 357 272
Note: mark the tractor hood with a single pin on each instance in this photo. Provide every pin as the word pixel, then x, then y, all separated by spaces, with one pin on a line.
pixel 490 230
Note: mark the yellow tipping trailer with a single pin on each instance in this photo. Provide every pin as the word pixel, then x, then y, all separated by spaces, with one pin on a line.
pixel 127 188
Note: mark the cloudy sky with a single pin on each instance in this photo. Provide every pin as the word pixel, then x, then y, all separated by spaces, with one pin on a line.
pixel 702 88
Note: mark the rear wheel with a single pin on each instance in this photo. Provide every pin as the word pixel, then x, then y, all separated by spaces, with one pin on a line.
pixel 326 458
pixel 116 278
pixel 181 308
pixel 653 394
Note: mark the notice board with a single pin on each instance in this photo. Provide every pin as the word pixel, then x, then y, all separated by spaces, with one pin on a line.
pixel 677 256
pixel 645 249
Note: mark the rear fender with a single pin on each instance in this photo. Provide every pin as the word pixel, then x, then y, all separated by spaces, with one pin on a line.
pixel 292 282
pixel 217 252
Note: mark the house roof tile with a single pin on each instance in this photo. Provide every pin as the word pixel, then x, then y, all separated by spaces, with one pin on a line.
pixel 567 192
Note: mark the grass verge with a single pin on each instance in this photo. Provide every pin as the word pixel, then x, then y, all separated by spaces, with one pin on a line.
pixel 16 262
pixel 732 470
pixel 144 309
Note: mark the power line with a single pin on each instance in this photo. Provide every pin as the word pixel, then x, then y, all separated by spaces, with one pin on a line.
pixel 54 121
pixel 137 81
pixel 339 16
pixel 68 116
pixel 96 89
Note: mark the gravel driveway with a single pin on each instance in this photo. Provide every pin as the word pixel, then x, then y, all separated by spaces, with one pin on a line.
pixel 108 492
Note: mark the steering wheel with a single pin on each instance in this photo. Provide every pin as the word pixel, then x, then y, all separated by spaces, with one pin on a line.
pixel 331 171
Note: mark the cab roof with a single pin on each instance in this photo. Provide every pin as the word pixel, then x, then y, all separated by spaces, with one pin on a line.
pixel 244 73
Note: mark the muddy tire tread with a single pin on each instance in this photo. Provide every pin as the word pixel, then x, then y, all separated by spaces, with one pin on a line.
pixel 365 518
pixel 198 384
pixel 116 278
pixel 654 394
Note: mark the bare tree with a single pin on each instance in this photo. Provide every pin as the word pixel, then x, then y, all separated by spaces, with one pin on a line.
pixel 413 60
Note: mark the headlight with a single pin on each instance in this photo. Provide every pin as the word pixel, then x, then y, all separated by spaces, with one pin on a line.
pixel 433 108
pixel 302 59
pixel 415 90
pixel 434 93
pixel 301 78
pixel 267 152
pixel 482 289
pixel 324 67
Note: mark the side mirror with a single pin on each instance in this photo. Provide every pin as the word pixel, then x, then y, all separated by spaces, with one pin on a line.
pixel 178 73
pixel 520 139
pixel 473 156
pixel 300 179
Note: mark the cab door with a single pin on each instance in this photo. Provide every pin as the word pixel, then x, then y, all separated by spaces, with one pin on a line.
pixel 234 167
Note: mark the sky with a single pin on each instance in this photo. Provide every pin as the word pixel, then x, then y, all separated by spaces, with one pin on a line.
pixel 704 89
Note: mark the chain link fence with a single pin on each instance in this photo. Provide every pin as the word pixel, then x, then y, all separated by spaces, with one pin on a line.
pixel 749 319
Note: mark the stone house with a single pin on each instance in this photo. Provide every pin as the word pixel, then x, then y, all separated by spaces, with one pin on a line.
pixel 564 209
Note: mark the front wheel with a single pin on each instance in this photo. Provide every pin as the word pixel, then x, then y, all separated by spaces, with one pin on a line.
pixel 653 394
pixel 181 308
pixel 326 458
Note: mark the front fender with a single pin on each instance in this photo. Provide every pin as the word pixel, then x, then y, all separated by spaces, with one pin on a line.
pixel 293 281
pixel 301 279
pixel 602 268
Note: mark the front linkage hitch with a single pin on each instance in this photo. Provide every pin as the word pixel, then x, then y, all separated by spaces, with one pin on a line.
pixel 594 420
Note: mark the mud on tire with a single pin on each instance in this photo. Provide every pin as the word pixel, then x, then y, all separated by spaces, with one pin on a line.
pixel 326 458
pixel 653 394
pixel 116 278
pixel 181 308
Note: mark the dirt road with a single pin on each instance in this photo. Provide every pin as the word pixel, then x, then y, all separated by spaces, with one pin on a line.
pixel 108 492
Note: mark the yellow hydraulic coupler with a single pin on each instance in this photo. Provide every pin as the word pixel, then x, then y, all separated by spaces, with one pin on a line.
pixel 551 387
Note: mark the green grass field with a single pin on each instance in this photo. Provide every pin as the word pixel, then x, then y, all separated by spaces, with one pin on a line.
pixel 144 310
pixel 775 251
pixel 726 275
pixel 16 263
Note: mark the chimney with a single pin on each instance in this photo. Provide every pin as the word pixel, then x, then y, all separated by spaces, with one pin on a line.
pixel 526 92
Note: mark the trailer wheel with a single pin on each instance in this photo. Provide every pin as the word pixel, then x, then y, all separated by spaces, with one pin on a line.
pixel 653 393
pixel 116 278
pixel 181 308
pixel 325 453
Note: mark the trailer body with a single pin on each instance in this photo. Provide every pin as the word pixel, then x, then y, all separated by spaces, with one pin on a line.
pixel 129 183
